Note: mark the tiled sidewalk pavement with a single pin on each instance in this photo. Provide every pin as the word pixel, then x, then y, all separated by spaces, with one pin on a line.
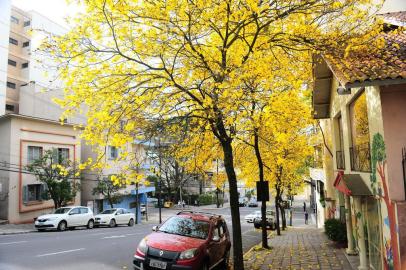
pixel 298 249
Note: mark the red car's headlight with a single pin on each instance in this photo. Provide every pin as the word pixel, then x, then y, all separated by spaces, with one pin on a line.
pixel 188 254
pixel 142 246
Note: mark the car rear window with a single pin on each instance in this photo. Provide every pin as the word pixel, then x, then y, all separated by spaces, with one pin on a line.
pixel 186 227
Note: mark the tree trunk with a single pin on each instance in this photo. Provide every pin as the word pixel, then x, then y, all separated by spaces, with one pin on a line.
pixel 278 229
pixel 283 216
pixel 235 210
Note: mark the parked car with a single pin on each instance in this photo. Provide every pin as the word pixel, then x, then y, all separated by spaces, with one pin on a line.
pixel 66 217
pixel 242 202
pixel 189 240
pixel 113 217
pixel 143 209
pixel 270 220
pixel 250 217
pixel 253 203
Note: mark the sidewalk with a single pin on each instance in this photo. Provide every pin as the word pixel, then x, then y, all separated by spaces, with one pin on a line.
pixel 16 228
pixel 298 248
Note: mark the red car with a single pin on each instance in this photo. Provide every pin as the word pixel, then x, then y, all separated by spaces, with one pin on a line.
pixel 189 240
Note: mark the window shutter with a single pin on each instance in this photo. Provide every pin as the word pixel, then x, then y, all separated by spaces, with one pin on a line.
pixel 55 155
pixel 44 192
pixel 25 194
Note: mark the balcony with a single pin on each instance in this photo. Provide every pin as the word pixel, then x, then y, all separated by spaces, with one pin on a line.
pixel 340 161
pixel 360 157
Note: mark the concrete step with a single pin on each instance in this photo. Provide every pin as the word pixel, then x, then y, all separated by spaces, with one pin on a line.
pixel 3 221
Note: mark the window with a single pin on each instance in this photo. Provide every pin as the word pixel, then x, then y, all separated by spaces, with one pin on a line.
pixel 112 152
pixel 34 153
pixel 26 44
pixel 9 107
pixel 13 41
pixel 340 162
pixel 12 62
pixel 27 23
pixel 34 192
pixel 14 20
pixel 84 210
pixel 24 65
pixel 74 211
pixel 61 155
pixel 11 85
pixel 360 152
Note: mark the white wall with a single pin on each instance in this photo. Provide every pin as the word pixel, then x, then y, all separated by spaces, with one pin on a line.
pixel 5 10
pixel 393 6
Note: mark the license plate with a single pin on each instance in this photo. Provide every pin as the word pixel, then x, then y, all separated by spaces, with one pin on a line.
pixel 157 264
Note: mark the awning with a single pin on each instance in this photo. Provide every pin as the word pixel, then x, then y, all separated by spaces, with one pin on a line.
pixel 351 185
pixel 142 190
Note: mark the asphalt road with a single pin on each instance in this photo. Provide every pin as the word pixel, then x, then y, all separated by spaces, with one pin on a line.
pixel 102 248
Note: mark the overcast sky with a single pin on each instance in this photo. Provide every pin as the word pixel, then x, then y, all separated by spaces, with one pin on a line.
pixel 56 10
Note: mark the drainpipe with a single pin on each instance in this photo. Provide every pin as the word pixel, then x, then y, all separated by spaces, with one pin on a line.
pixel 361 237
pixel 350 249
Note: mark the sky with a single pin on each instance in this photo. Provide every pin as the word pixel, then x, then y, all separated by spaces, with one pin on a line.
pixel 56 10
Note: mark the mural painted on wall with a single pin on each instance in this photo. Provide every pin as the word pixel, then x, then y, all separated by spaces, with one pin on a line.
pixel 378 162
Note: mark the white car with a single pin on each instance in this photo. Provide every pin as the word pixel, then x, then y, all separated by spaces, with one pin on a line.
pixel 66 217
pixel 250 218
pixel 113 217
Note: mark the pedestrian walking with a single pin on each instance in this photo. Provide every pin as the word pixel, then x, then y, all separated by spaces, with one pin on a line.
pixel 306 218
pixel 304 206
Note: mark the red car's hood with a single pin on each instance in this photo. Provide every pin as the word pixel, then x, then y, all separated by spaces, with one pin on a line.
pixel 172 242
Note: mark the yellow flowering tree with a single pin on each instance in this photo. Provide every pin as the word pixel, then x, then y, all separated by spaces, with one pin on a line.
pixel 185 60
pixel 59 175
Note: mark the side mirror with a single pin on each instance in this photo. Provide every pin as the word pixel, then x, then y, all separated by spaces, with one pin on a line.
pixel 215 238
pixel 72 213
pixel 117 214
pixel 155 228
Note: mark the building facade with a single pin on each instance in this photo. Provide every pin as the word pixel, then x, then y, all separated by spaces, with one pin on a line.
pixel 29 120
pixel 362 98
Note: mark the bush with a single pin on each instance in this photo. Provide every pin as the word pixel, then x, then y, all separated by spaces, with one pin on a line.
pixel 335 230
pixel 209 198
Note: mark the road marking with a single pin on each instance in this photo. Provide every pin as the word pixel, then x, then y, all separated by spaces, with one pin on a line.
pixel 114 236
pixel 9 243
pixel 61 252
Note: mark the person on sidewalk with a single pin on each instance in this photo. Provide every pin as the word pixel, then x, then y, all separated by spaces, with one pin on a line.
pixel 304 206
pixel 306 218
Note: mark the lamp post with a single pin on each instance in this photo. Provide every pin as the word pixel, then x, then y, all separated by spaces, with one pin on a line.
pixel 160 181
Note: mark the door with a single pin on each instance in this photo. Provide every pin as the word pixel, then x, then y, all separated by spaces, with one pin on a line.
pixel 74 217
pixel 120 217
pixel 84 216
pixel 218 244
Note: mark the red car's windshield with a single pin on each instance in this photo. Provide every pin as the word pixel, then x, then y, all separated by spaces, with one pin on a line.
pixel 186 227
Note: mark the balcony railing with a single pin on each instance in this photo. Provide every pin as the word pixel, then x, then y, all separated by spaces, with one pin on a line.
pixel 340 160
pixel 360 157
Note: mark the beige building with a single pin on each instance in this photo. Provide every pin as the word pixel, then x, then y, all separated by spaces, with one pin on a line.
pixel 23 139
pixel 29 120
pixel 361 101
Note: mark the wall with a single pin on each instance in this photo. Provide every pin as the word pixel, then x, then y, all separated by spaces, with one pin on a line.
pixel 394 115
pixel 4 175
pixel 33 132
pixel 5 10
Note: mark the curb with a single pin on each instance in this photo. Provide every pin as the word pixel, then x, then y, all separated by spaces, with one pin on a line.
pixel 21 232
pixel 254 246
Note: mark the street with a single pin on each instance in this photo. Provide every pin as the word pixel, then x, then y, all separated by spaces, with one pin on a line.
pixel 101 248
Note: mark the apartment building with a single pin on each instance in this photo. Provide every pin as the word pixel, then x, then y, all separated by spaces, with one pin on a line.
pixel 360 100
pixel 29 120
